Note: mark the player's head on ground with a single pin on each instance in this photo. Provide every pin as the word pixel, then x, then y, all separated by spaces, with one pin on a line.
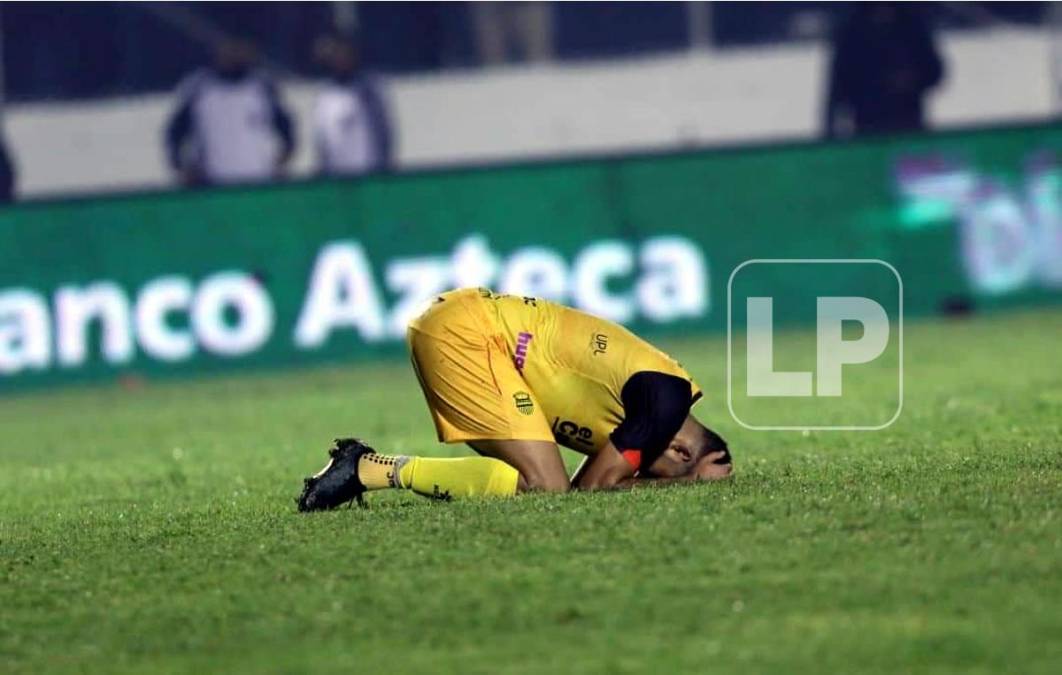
pixel 694 449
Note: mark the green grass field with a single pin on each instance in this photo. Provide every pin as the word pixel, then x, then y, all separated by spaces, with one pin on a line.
pixel 154 530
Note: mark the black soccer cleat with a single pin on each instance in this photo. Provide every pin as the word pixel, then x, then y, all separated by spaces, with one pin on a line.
pixel 338 482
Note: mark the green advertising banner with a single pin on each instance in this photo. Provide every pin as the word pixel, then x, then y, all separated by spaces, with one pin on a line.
pixel 282 275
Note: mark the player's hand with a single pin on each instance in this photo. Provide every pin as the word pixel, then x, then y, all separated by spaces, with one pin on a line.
pixel 706 469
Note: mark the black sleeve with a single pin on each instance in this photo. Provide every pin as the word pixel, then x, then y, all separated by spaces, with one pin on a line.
pixel 655 405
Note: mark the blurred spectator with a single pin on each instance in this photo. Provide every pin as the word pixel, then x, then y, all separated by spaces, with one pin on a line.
pixel 513 31
pixel 229 124
pixel 352 128
pixel 7 174
pixel 884 64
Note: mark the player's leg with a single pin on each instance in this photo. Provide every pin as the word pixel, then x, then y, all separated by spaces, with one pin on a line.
pixel 473 392
pixel 539 462
pixel 506 467
pixel 355 468
pixel 476 395
pixel 439 477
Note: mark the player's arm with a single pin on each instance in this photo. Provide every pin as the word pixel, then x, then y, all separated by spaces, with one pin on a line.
pixel 713 466
pixel 609 470
pixel 655 406
pixel 606 469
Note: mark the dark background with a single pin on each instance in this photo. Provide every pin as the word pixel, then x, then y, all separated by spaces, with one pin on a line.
pixel 70 50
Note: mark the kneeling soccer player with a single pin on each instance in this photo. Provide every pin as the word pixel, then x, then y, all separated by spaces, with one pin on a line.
pixel 513 377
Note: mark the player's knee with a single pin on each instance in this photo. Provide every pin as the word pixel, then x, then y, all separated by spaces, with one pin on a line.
pixel 534 481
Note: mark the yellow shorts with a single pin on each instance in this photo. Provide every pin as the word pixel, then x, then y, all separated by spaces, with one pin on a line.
pixel 471 385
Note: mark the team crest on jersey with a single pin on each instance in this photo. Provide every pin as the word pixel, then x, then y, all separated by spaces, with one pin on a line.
pixel 523 402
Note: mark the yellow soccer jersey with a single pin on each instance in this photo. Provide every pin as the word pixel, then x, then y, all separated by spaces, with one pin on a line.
pixel 577 364
pixel 500 366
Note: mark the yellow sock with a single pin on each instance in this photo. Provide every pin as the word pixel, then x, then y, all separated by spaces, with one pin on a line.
pixel 458 477
pixel 378 471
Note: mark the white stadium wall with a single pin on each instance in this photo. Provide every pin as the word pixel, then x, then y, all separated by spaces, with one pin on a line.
pixel 700 98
